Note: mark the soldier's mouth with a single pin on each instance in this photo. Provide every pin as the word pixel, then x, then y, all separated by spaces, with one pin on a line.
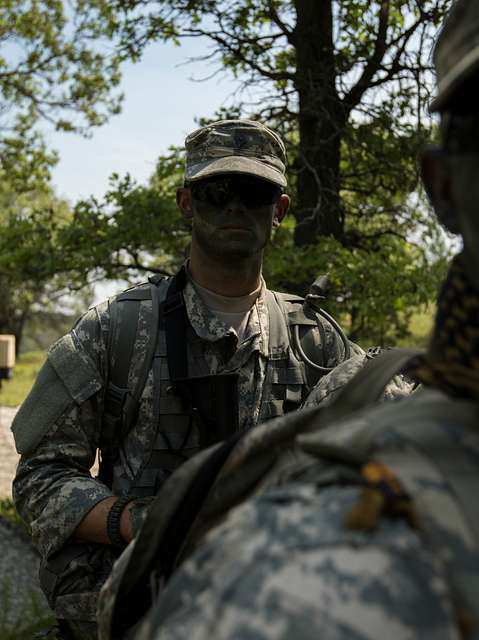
pixel 234 227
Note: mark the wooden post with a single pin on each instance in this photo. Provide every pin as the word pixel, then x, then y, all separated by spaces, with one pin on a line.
pixel 7 356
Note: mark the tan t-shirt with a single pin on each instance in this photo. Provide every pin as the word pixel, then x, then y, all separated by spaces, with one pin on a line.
pixel 232 310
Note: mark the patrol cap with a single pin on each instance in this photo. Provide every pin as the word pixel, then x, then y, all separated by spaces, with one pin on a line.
pixel 235 146
pixel 456 55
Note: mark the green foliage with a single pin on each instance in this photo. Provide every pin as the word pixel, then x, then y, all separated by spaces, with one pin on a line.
pixel 55 67
pixel 420 328
pixel 9 513
pixel 134 229
pixel 373 292
pixel 44 327
pixel 346 83
pixel 54 63
pixel 13 392
pixel 31 256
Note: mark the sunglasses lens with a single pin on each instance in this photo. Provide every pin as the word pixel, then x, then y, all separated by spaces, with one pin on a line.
pixel 259 193
pixel 251 192
pixel 213 192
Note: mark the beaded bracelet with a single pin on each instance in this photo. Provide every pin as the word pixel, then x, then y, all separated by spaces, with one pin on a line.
pixel 113 521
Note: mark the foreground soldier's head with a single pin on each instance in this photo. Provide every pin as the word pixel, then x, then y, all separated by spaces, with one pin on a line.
pixel 451 172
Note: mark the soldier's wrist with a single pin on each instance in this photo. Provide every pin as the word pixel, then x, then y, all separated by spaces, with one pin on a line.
pixel 117 524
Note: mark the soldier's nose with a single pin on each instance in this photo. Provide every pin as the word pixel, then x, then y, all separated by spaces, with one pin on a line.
pixel 235 205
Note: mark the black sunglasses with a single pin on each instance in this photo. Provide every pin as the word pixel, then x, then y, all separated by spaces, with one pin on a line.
pixel 251 192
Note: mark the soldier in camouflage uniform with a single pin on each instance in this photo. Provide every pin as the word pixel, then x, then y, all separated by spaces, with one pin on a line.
pixel 233 197
pixel 369 528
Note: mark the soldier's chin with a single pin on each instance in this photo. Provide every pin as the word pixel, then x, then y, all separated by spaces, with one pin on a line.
pixel 239 251
pixel 235 250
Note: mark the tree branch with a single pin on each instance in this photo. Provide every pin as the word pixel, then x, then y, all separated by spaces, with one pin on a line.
pixel 353 97
pixel 284 28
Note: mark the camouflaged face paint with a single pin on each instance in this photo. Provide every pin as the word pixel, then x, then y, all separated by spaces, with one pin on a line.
pixel 460 133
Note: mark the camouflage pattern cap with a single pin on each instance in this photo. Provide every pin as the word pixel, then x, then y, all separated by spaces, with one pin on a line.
pixel 456 55
pixel 235 146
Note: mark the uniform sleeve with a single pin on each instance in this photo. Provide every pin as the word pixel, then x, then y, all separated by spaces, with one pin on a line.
pixel 57 431
pixel 330 385
pixel 284 566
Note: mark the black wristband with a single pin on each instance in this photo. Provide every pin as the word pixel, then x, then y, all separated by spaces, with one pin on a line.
pixel 113 522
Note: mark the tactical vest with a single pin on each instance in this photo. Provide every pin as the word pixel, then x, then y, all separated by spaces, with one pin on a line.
pixel 181 428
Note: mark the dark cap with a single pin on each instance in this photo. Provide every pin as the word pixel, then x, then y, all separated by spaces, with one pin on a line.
pixel 235 146
pixel 456 55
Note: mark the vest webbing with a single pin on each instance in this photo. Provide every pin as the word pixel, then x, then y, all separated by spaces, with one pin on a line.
pixel 121 402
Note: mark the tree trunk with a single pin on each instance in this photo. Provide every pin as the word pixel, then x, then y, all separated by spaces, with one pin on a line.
pixel 321 123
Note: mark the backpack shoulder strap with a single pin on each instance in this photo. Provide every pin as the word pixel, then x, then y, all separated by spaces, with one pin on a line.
pixel 121 402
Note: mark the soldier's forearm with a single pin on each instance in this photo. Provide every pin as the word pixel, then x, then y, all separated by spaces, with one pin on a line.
pixel 93 527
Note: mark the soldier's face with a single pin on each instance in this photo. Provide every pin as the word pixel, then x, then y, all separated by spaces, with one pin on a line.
pixel 465 200
pixel 232 216
pixel 452 181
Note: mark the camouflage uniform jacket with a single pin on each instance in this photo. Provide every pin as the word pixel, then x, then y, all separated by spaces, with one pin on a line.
pixel 284 564
pixel 58 429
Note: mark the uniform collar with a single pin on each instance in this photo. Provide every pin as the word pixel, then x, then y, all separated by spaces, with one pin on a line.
pixel 209 327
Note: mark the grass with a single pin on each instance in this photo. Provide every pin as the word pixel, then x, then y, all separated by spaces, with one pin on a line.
pixel 8 512
pixel 420 326
pixel 14 391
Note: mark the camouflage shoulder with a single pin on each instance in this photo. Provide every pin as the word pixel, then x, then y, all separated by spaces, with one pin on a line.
pixel 328 388
pixel 299 573
pixel 72 373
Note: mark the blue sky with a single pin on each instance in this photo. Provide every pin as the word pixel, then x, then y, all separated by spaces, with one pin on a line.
pixel 160 106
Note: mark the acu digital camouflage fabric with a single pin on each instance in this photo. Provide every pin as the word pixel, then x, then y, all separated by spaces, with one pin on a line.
pixel 53 489
pixel 330 385
pixel 456 56
pixel 235 146
pixel 284 564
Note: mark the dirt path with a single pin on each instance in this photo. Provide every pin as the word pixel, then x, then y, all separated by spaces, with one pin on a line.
pixel 8 455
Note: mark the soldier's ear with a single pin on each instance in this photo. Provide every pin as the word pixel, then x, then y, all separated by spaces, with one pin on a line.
pixel 437 178
pixel 282 207
pixel 184 202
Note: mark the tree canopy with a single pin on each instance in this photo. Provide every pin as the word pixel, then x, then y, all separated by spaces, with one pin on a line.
pixel 30 250
pixel 57 66
pixel 347 85
pixel 346 82
pixel 55 62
